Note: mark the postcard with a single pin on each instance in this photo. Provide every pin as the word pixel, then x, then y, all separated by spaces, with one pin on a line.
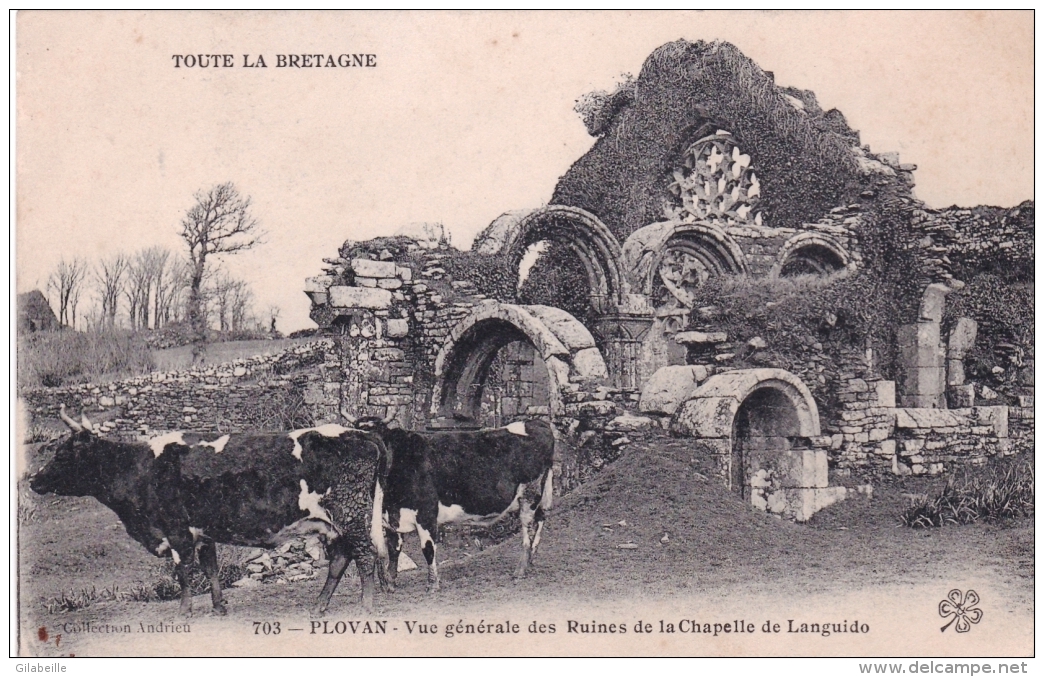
pixel 525 334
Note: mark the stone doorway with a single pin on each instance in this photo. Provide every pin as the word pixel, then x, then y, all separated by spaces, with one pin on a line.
pixel 505 361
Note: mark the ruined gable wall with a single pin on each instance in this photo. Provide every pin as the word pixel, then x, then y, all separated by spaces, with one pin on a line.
pixel 809 161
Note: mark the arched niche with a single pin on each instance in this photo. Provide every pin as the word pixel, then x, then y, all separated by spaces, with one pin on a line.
pixel 676 256
pixel 747 412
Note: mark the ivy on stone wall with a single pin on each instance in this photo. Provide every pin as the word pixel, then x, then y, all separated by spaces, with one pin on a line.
pixel 686 90
pixel 559 279
pixel 803 317
pixel 493 276
pixel 1004 345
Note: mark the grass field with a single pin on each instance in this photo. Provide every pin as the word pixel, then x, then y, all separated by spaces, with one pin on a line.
pixel 174 359
pixel 721 559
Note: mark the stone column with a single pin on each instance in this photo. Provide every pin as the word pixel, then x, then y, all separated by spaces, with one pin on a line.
pixel 619 337
pixel 923 381
pixel 962 339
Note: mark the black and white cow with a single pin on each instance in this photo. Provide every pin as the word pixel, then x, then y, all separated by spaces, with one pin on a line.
pixel 184 491
pixel 476 477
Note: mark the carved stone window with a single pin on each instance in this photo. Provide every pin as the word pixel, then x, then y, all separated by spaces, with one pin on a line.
pixel 715 183
pixel 683 268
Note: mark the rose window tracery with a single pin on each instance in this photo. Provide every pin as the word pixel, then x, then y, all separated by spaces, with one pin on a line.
pixel 715 184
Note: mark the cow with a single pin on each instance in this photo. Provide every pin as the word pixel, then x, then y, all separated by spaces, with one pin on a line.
pixel 475 477
pixel 182 492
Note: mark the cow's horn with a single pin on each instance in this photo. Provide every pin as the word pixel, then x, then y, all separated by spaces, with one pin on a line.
pixel 390 416
pixel 86 422
pixel 73 425
pixel 351 420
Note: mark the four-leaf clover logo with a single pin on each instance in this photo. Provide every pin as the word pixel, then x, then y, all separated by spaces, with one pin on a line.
pixel 962 607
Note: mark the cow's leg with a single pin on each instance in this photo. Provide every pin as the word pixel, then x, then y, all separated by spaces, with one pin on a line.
pixel 181 572
pixel 427 541
pixel 208 559
pixel 337 551
pixel 541 511
pixel 389 571
pixel 538 519
pixel 525 513
pixel 182 550
pixel 365 562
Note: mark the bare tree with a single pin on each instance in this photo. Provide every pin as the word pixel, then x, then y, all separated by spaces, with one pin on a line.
pixel 66 283
pixel 242 298
pixel 231 300
pixel 158 258
pixel 109 281
pixel 219 223
pixel 139 286
pixel 273 315
pixel 171 292
pixel 220 292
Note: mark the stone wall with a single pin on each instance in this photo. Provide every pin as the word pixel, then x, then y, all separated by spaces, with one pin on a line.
pixel 864 432
pixel 221 398
pixel 766 249
pixel 959 241
pixel 392 319
pixel 391 313
pixel 934 440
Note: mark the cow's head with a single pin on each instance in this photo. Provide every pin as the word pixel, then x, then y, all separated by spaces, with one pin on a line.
pixel 71 471
pixel 374 424
pixel 375 429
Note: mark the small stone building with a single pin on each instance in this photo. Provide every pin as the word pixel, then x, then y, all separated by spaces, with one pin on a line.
pixel 35 314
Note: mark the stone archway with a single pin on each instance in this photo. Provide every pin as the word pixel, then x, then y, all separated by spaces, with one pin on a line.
pixel 810 253
pixel 754 419
pixel 592 241
pixel 665 261
pixel 564 346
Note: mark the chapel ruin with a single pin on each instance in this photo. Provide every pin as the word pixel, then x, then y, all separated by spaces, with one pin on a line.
pixel 703 168
pixel 727 263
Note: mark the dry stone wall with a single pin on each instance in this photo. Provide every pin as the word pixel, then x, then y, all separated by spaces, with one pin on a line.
pixel 220 398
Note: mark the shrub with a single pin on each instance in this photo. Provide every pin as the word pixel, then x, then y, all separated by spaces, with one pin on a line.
pixel 74 601
pixel 1002 488
pixel 843 310
pixel 278 410
pixel 58 358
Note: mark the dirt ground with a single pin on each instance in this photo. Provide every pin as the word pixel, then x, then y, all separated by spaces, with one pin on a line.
pixel 701 555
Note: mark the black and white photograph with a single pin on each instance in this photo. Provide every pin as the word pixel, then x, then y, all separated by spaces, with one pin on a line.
pixel 577 334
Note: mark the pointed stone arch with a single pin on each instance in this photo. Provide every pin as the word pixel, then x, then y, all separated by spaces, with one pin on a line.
pixel 564 345
pixel 597 248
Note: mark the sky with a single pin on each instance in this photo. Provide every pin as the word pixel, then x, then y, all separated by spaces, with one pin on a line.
pixel 464 117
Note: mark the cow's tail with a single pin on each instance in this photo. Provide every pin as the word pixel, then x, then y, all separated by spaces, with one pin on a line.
pixel 546 497
pixel 377 524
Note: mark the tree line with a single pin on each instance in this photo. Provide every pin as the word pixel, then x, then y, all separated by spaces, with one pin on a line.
pixel 156 287
pixel 146 289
